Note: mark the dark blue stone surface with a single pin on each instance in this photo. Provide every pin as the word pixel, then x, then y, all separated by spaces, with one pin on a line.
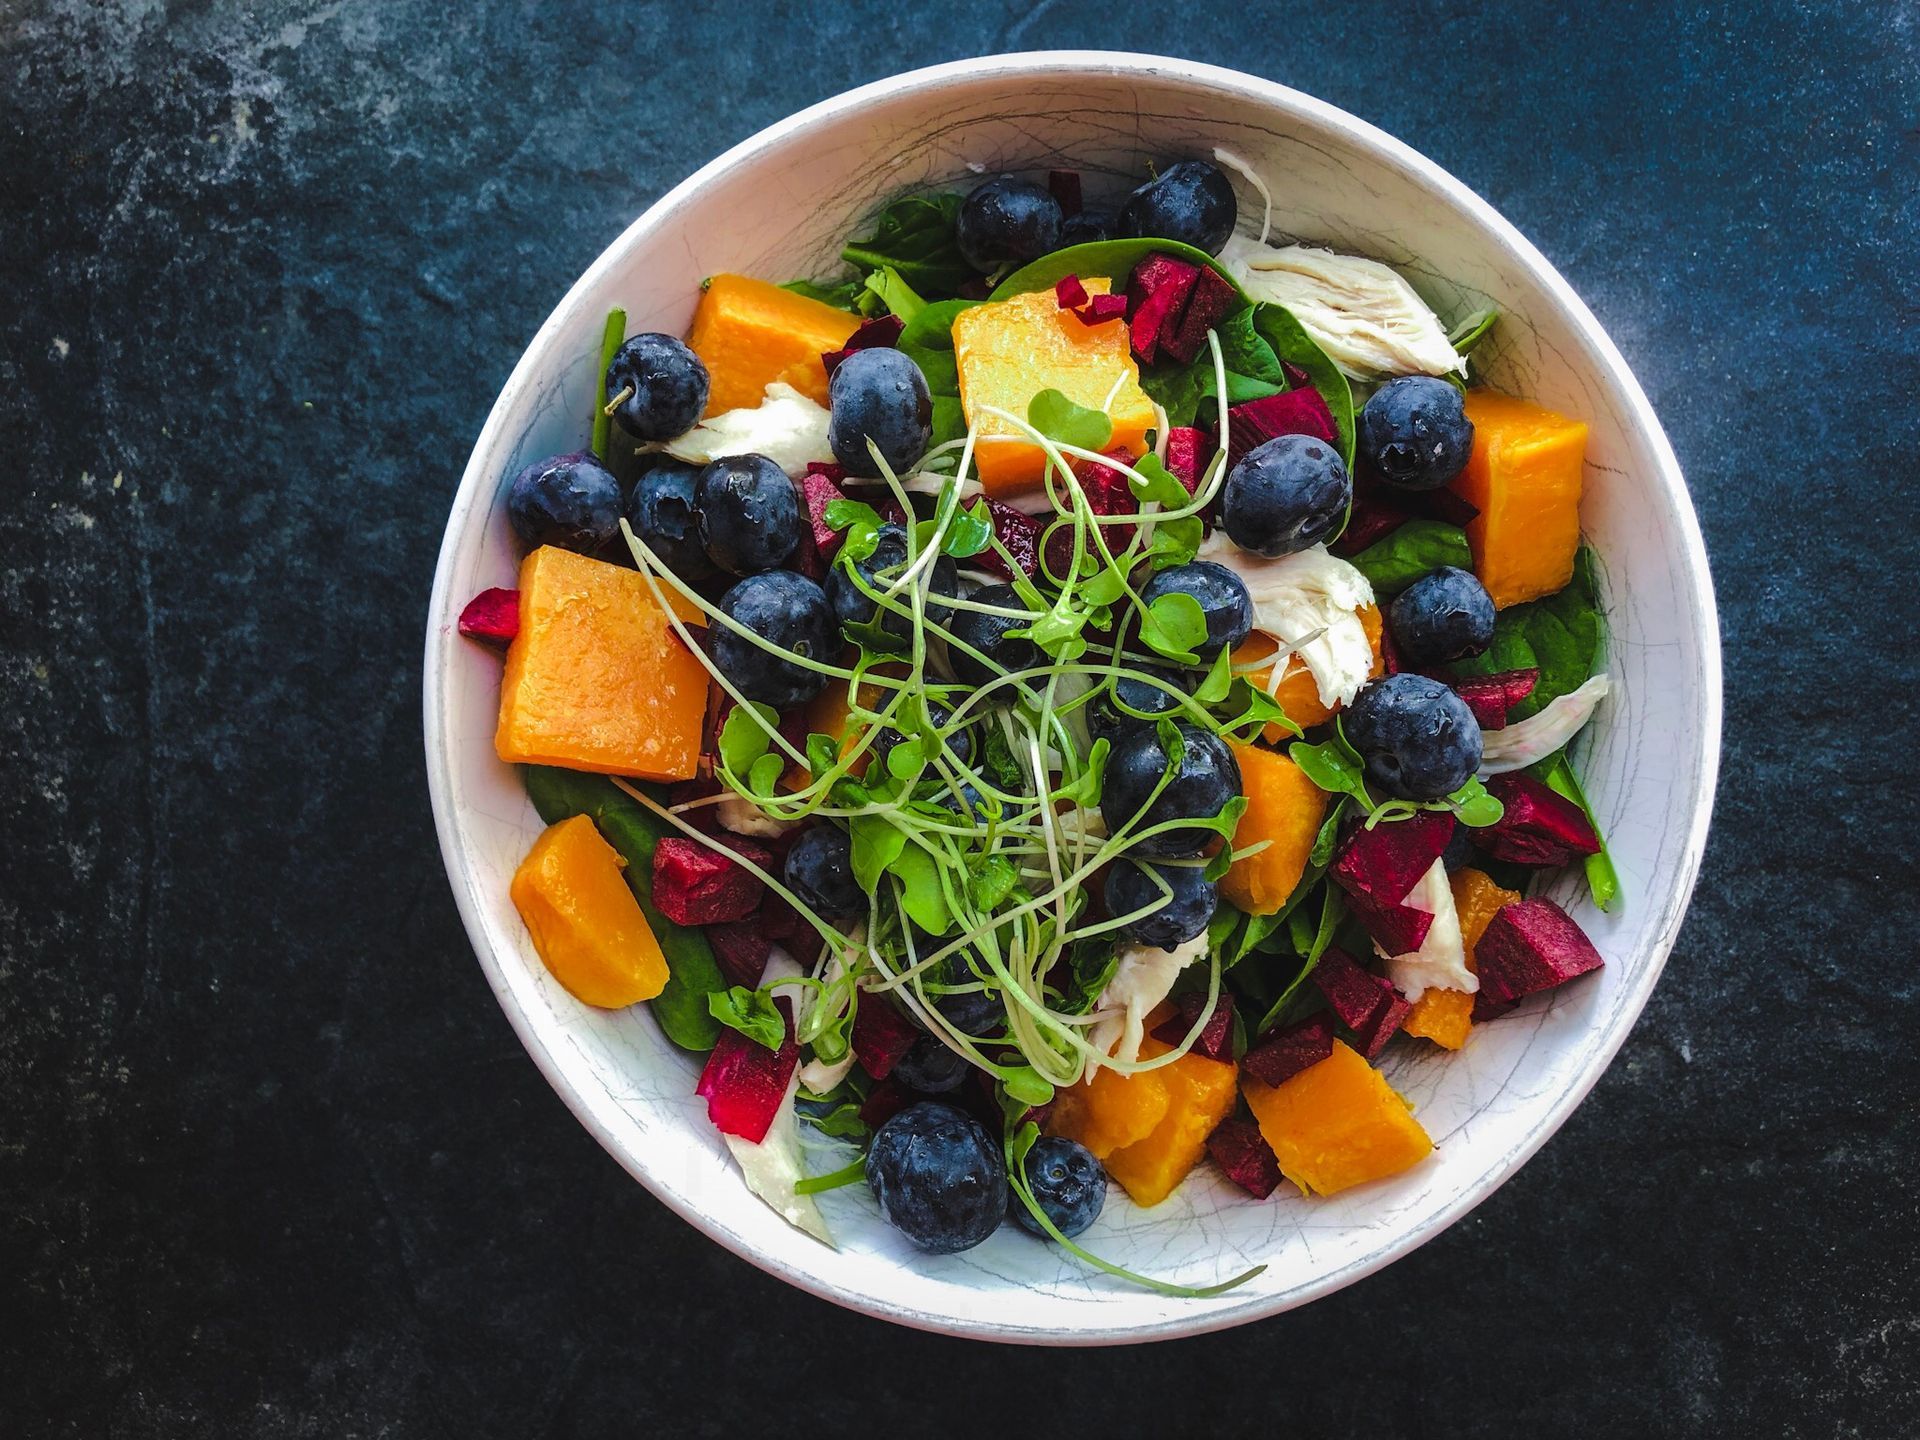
pixel 271 1161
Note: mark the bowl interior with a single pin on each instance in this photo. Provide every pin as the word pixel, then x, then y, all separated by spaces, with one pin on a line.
pixel 779 206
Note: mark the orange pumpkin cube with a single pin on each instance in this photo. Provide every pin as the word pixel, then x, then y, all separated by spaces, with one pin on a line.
pixel 750 333
pixel 596 679
pixel 1008 351
pixel 1200 1095
pixel 1524 477
pixel 1337 1124
pixel 584 919
pixel 1298 693
pixel 1111 1111
pixel 1283 807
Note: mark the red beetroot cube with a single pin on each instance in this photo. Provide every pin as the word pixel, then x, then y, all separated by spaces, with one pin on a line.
pixel 1285 1053
pixel 1107 494
pixel 1378 867
pixel 817 491
pixel 1019 532
pixel 695 885
pixel 493 616
pixel 1490 697
pixel 1215 1040
pixel 1530 946
pixel 1157 295
pixel 1069 293
pixel 1378 511
pixel 1242 1153
pixel 1366 1003
pixel 886 1100
pixel 1099 309
pixel 1213 299
pixel 881 1034
pixel 741 948
pixel 745 1083
pixel 1293 412
pixel 1188 451
pixel 875 332
pixel 1537 827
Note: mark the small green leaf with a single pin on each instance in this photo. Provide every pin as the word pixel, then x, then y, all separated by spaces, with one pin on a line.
pixel 895 293
pixel 842 513
pixel 991 880
pixel 1175 542
pixel 1022 1083
pixel 841 294
pixel 1472 330
pixel 842 1121
pixel 1218 865
pixel 877 843
pixel 914 237
pixel 823 752
pixel 908 758
pixel 970 533
pixel 849 1174
pixel 1326 838
pixel 1090 965
pixel 1219 682
pixel 1175 626
pixel 1395 561
pixel 1333 767
pixel 765 774
pixel 745 737
pixel 1158 483
pixel 1085 788
pixel 1065 423
pixel 1603 881
pixel 752 1013
pixel 1474 807
pixel 920 893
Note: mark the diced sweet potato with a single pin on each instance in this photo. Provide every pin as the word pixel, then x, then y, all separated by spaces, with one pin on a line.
pixel 1446 1016
pixel 1530 946
pixel 1008 351
pixel 750 333
pixel 586 924
pixel 596 679
pixel 1298 693
pixel 1524 478
pixel 1111 1111
pixel 1284 808
pixel 1337 1125
pixel 1199 1097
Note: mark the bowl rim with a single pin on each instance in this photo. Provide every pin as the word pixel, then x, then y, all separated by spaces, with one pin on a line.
pixel 478 481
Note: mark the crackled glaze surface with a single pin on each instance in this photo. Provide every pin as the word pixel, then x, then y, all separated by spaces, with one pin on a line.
pixel 1651 758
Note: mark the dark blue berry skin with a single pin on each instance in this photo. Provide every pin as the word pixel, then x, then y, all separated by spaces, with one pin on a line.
pixel 1414 433
pixel 1105 718
pixel 669 384
pixel 988 635
pixel 1191 202
pixel 1089 227
pixel 979 1013
pixel 1444 615
pixel 1067 1182
pixel 879 394
pixel 571 501
pixel 791 611
pixel 1007 222
pixel 853 606
pixel 930 1067
pixel 749 513
pixel 1418 739
pixel 958 745
pixel 938 1177
pixel 1222 596
pixel 970 802
pixel 661 512
pixel 1285 495
pixel 1181 916
pixel 1208 777
pixel 819 870
pixel 1461 851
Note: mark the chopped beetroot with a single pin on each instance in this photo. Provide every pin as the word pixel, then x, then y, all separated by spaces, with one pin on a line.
pixel 1443 504
pixel 1243 1155
pixel 1537 826
pixel 881 1034
pixel 833 472
pixel 1378 866
pixel 1378 511
pixel 1485 1009
pixel 705 818
pixel 817 491
pixel 1215 1040
pixel 1367 1004
pixel 741 948
pixel 1295 412
pixel 1490 697
pixel 1530 946
pixel 1100 309
pixel 1285 1053
pixel 1296 376
pixel 1213 299
pixel 1107 494
pixel 1069 293
pixel 1064 186
pixel 877 332
pixel 492 615
pixel 787 927
pixel 883 1102
pixel 1188 451
pixel 744 1083
pixel 695 885
pixel 1019 532
pixel 1157 294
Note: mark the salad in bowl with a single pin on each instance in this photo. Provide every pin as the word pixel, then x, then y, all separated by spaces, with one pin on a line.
pixel 1043 711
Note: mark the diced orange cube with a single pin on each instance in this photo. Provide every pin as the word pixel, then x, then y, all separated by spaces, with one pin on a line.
pixel 1524 477
pixel 596 679
pixel 1446 1016
pixel 1285 808
pixel 1298 693
pixel 750 333
pixel 1337 1124
pixel 1111 1111
pixel 1010 350
pixel 584 919
pixel 1200 1095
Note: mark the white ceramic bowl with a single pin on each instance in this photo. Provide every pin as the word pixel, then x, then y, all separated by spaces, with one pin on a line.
pixel 779 205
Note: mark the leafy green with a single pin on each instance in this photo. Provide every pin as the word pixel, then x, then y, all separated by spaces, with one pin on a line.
pixel 895 293
pixel 1253 371
pixel 1090 965
pixel 877 843
pixel 1113 259
pixel 920 893
pixel 850 1174
pixel 970 532
pixel 1603 881
pixel 611 339
pixel 1062 421
pixel 1176 626
pixel 1395 561
pixel 1563 636
pixel 745 736
pixel 927 340
pixel 914 238
pixel 841 294
pixel 1333 910
pixel 1472 330
pixel 751 1012
pixel 1294 346
pixel 1334 766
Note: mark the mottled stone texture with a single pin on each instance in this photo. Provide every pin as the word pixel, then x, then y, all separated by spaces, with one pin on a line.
pixel 271 1162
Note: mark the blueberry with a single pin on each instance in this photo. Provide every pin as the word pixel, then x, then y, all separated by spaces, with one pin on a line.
pixel 938 1177
pixel 1285 495
pixel 1207 778
pixel 1461 852
pixel 879 394
pixel 1414 433
pixel 979 1013
pixel 668 384
pixel 1104 717
pixel 788 610
pixel 1418 738
pixel 970 803
pixel 930 1067
pixel 661 512
pixel 1222 596
pixel 853 606
pixel 958 745
pixel 1131 884
pixel 988 635
pixel 1444 615
pixel 1067 1182
pixel 571 501
pixel 819 870
pixel 1190 202
pixel 749 513
pixel 1007 221
pixel 1089 227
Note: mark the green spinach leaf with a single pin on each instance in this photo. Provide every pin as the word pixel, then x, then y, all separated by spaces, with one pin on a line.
pixel 914 237
pixel 752 1013
pixel 1395 561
